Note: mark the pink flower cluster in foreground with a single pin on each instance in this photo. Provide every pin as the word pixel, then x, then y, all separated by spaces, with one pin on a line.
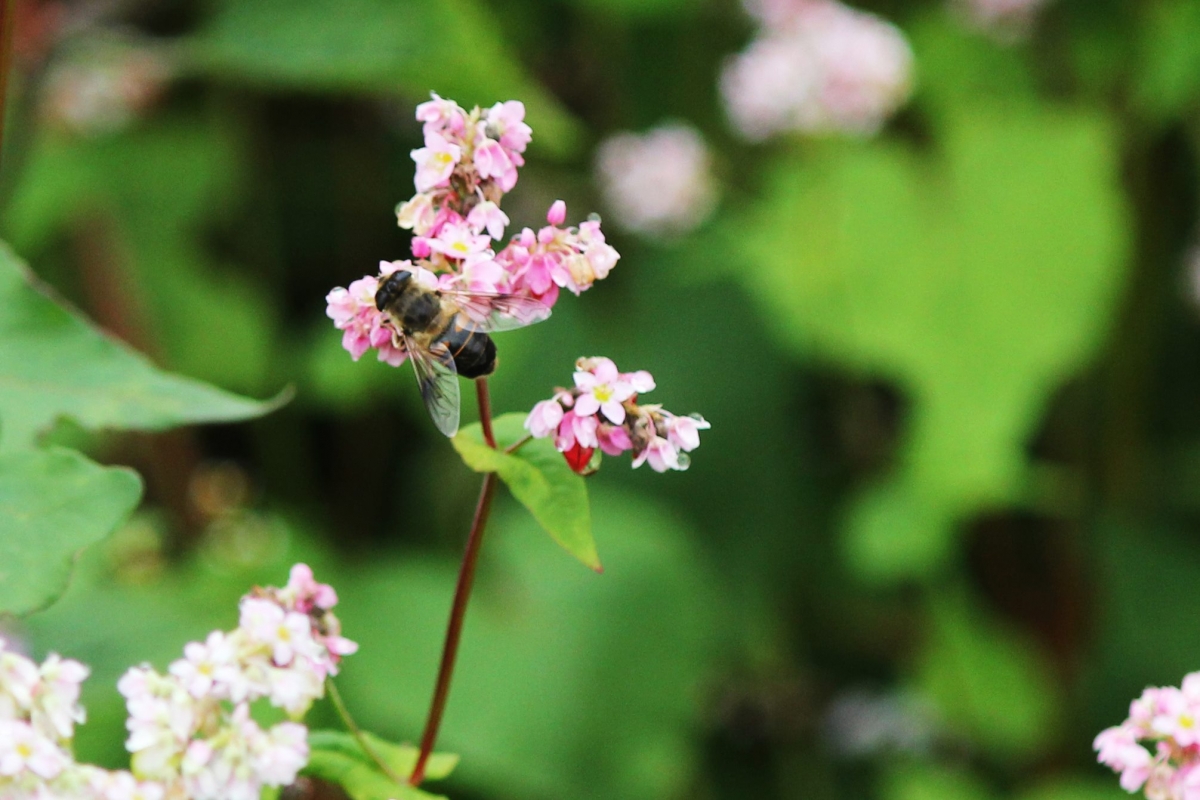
pixel 602 411
pixel 659 183
pixel 817 66
pixel 190 731
pixel 469 161
pixel 1167 720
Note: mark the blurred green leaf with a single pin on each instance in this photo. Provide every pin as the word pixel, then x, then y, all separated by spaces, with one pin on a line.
pixel 975 275
pixel 987 680
pixel 143 200
pixel 538 476
pixel 1167 80
pixel 452 47
pixel 53 504
pixel 53 363
pixel 1076 789
pixel 925 782
pixel 337 757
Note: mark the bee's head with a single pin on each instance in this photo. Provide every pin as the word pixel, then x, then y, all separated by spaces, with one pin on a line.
pixel 391 288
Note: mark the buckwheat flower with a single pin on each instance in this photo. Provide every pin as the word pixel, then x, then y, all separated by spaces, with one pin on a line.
pixel 660 454
pixel 441 116
pixel 818 66
pixel 205 664
pixel 488 216
pixel 557 214
pixel 283 754
pixel 575 430
pixel 544 419
pixel 123 786
pixel 459 240
pixel 493 161
pixel 24 749
pixel 506 123
pixel 353 311
pixel 417 214
pixel 435 162
pixel 603 411
pixel 659 183
pixel 1118 749
pixel 684 432
pixel 19 678
pixel 55 710
pixel 601 389
pixel 287 633
pixel 304 594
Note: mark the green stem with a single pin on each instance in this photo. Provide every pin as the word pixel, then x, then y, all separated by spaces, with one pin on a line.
pixel 462 594
pixel 352 726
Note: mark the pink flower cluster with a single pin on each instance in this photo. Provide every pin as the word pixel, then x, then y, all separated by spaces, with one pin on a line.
pixel 1168 719
pixel 602 412
pixel 190 731
pixel 468 163
pixel 659 183
pixel 817 66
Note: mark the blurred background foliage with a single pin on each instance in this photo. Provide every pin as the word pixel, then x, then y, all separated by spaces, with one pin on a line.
pixel 945 524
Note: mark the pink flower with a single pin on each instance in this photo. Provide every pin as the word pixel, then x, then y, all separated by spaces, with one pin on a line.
pixel 602 389
pixel 457 240
pixel 493 161
pixel 506 123
pixel 441 115
pixel 684 432
pixel 613 439
pixel 487 215
pixel 659 183
pixel 306 593
pixel 544 419
pixel 435 162
pixel 416 214
pixel 573 430
pixel 660 454
pixel 557 214
pixel 353 311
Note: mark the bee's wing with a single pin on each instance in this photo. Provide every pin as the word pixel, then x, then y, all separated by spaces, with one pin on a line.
pixel 485 312
pixel 437 378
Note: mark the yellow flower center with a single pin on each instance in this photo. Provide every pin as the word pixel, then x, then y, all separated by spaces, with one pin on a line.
pixel 603 393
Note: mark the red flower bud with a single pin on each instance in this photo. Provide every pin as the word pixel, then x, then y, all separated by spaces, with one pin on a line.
pixel 578 458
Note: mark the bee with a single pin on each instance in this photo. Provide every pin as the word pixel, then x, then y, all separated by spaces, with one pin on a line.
pixel 445 333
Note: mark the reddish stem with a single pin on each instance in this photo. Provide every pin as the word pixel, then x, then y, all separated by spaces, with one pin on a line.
pixel 6 47
pixel 462 594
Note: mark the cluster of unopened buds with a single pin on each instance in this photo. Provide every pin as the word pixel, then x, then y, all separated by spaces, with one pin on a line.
pixel 602 411
pixel 1167 719
pixel 190 731
pixel 468 163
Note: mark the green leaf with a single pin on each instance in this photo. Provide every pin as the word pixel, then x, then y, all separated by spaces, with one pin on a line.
pixel 53 363
pixel 975 274
pixel 988 680
pixel 453 47
pixel 53 504
pixel 152 192
pixel 538 476
pixel 923 782
pixel 336 757
pixel 1076 789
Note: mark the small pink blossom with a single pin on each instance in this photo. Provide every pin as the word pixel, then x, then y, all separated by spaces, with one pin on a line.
pixel 544 419
pixel 660 454
pixel 557 214
pixel 614 439
pixel 458 240
pixel 506 123
pixel 488 216
pixel 435 162
pixel 684 432
pixel 441 115
pixel 576 430
pixel 602 389
pixel 493 161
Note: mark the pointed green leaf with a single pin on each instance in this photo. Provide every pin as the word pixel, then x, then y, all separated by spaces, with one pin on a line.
pixel 538 476
pixel 53 364
pixel 337 757
pixel 54 503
